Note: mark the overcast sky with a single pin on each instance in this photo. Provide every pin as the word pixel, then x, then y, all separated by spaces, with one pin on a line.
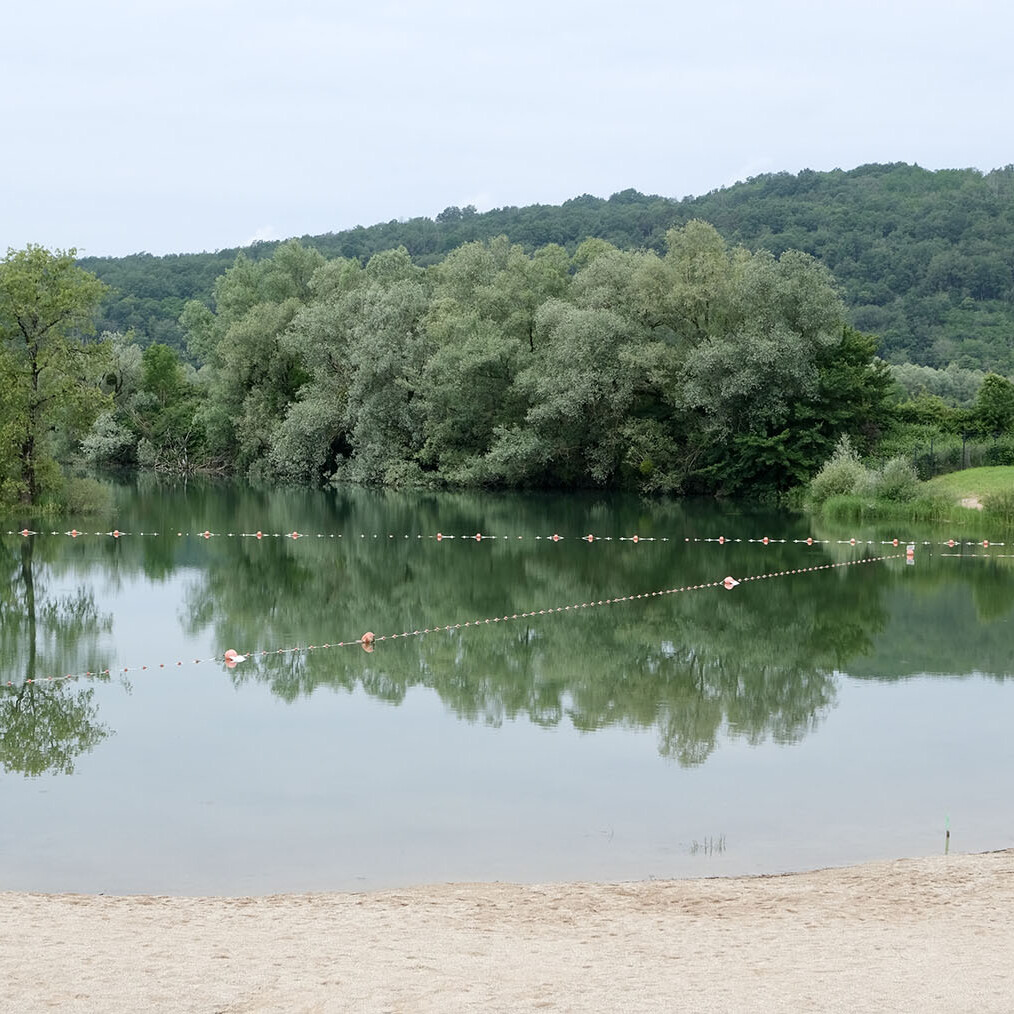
pixel 187 125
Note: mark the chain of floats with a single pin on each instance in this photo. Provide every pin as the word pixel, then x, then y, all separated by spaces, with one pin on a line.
pixel 368 640
pixel 483 537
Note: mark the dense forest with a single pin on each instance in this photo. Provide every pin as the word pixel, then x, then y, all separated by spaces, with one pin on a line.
pixel 924 260
pixel 620 353
pixel 706 369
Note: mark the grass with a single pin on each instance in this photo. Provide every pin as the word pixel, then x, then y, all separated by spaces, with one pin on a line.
pixel 992 487
pixel 950 497
pixel 978 483
pixel 848 508
pixel 76 496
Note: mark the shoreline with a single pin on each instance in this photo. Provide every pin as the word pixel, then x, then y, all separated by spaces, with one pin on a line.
pixel 930 934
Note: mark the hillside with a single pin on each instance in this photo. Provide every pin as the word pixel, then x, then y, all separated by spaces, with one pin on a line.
pixel 925 259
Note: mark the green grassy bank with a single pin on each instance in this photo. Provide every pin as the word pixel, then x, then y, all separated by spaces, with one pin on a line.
pixel 965 497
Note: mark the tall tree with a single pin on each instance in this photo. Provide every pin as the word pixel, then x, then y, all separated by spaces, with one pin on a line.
pixel 994 405
pixel 250 375
pixel 47 304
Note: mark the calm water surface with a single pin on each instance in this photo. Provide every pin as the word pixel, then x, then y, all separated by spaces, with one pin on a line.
pixel 813 719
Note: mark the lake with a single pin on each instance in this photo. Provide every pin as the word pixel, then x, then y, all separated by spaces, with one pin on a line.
pixel 823 717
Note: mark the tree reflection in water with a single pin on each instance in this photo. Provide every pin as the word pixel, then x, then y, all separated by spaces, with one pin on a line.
pixel 757 662
pixel 44 726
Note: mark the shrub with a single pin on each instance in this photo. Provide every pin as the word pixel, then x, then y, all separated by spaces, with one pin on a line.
pixel 1001 452
pixel 841 475
pixel 895 481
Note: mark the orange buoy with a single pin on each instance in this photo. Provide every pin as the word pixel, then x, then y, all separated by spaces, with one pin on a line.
pixel 730 582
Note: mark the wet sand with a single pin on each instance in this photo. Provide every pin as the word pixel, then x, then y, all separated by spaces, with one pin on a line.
pixel 923 935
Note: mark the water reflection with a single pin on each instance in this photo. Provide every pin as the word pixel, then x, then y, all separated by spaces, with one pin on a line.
pixel 762 662
pixel 689 665
pixel 45 726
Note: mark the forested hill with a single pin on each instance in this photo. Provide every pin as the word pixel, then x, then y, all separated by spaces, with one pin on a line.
pixel 925 259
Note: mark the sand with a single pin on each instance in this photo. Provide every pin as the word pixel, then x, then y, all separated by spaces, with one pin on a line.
pixel 921 935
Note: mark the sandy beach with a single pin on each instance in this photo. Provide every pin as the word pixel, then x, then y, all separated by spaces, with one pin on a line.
pixel 932 934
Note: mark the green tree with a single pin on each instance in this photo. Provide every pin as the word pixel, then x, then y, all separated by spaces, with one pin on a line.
pixel 994 405
pixel 47 304
pixel 765 375
pixel 580 389
pixel 482 324
pixel 162 376
pixel 250 374
pixel 314 433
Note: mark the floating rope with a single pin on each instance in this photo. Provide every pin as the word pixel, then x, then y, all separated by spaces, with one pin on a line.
pixel 720 540
pixel 369 640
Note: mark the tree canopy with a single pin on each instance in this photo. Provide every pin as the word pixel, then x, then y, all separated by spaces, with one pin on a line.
pixel 49 370
pixel 922 258
pixel 706 368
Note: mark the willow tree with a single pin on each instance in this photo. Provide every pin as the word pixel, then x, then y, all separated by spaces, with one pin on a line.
pixel 47 305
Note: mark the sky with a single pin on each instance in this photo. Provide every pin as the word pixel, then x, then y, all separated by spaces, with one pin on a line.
pixel 177 126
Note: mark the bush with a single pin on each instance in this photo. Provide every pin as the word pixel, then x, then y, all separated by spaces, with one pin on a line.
pixel 108 443
pixel 895 481
pixel 842 474
pixel 1001 452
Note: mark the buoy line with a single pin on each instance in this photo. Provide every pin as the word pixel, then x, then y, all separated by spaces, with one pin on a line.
pixel 556 537
pixel 369 640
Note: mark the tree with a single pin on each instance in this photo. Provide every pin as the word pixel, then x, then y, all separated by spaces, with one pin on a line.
pixel 47 304
pixel 482 322
pixel 249 374
pixel 767 374
pixel 580 389
pixel 994 405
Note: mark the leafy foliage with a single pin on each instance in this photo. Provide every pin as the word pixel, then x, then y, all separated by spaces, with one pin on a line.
pixel 922 257
pixel 707 369
pixel 841 474
pixel 48 366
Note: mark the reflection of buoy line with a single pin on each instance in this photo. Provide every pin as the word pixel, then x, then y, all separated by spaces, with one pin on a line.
pixel 369 640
